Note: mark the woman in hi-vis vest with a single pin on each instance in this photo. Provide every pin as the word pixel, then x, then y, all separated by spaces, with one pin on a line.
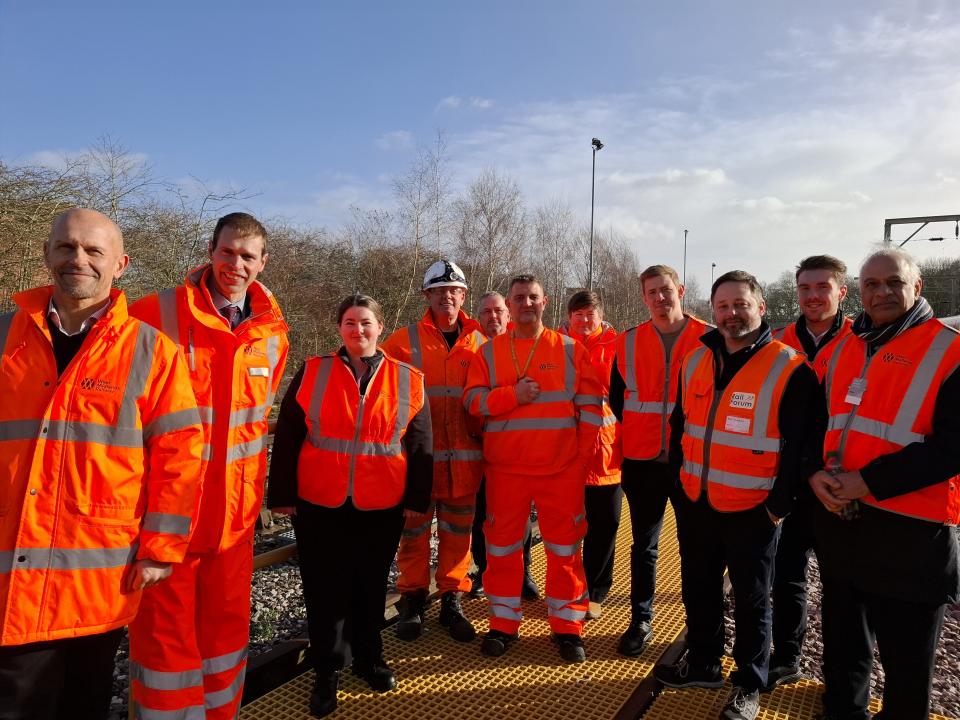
pixel 353 452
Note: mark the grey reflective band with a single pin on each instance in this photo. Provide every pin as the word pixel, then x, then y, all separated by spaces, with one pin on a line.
pixel 765 397
pixel 569 369
pixel 646 407
pixel 834 359
pixel 890 433
pixel 171 422
pixel 6 320
pixel 248 415
pixel 251 448
pixel 169 325
pixel 490 357
pixel 457 455
pixel 418 530
pixel 504 550
pixel 734 440
pixel 567 614
pixel 273 359
pixel 140 367
pixel 207 414
pixel 167 523
pixel 164 679
pixel 504 612
pixel 721 477
pixel 563 550
pixel 629 355
pixel 316 396
pixel 588 399
pixel 453 391
pixel 919 386
pixel 473 393
pixel 220 663
pixel 604 421
pixel 531 424
pixel 455 509
pixel 403 401
pixel 557 603
pixel 206 454
pixel 66 558
pixel 416 352
pixel 553 396
pixel 836 422
pixel 347 446
pixel 692 361
pixel 194 712
pixel 454 529
pixel 88 432
pixel 19 429
pixel 219 698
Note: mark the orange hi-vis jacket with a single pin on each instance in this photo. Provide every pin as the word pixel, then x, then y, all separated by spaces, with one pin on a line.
pixel 651 385
pixel 98 468
pixel 604 468
pixel 731 438
pixel 903 379
pixel 353 446
pixel 235 375
pixel 788 335
pixel 560 427
pixel 457 457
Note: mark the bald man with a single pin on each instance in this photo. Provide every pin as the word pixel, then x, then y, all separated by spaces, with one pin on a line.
pixel 99 460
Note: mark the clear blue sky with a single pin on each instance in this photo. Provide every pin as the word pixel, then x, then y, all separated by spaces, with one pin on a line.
pixel 770 129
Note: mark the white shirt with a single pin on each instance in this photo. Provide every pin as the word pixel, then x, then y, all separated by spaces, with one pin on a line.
pixel 84 326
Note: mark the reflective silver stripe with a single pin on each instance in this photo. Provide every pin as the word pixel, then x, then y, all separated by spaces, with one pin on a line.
pixel 171 422
pixel 316 396
pixel 734 440
pixel 837 422
pixel 416 353
pixel 194 712
pixel 6 320
pixel 592 419
pixel 455 509
pixel 509 608
pixel 343 445
pixel 883 431
pixel 470 395
pixel 630 341
pixel 218 698
pixel 206 454
pixel 569 369
pixel 693 359
pixel 207 415
pixel 832 366
pixel 504 550
pixel 66 558
pixel 214 665
pixel 88 432
pixel 765 396
pixel 164 679
pixel 489 356
pixel 19 429
pixel 461 455
pixel 273 360
pixel 169 323
pixel 588 400
pixel 136 384
pixel 653 408
pixel 531 424
pixel 251 448
pixel 555 396
pixel 557 603
pixel 444 391
pixel 419 529
pixel 248 415
pixel 567 614
pixel 454 529
pixel 403 401
pixel 744 482
pixel 167 523
pixel 917 390
pixel 578 518
pixel 563 550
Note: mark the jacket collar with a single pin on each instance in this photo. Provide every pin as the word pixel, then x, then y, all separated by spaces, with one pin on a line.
pixel 265 316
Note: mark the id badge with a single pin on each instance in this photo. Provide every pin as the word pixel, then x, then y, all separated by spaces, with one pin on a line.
pixel 855 391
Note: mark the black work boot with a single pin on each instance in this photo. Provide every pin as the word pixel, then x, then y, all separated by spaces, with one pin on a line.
pixel 529 590
pixel 323 699
pixel 634 641
pixel 412 611
pixel 452 618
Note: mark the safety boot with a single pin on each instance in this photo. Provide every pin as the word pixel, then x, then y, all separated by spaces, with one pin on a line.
pixel 323 699
pixel 452 618
pixel 412 612
pixel 529 590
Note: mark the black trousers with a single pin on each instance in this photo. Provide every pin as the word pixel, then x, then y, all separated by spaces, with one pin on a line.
pixel 745 543
pixel 790 583
pixel 906 634
pixel 647 486
pixel 69 679
pixel 345 557
pixel 603 504
pixel 478 542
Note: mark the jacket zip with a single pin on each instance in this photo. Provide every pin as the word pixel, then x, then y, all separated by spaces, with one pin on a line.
pixel 851 416
pixel 193 365
pixel 356 432
pixel 707 440
pixel 666 392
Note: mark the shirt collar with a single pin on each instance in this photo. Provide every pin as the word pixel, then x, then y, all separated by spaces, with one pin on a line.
pixel 54 316
pixel 219 301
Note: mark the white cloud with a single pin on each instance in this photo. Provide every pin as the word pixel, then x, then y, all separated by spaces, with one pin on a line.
pixel 452 102
pixel 395 140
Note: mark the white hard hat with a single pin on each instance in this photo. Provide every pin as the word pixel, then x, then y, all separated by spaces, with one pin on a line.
pixel 444 273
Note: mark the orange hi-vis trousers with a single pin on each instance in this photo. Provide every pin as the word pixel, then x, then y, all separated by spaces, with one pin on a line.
pixel 559 502
pixel 188 643
pixel 454 525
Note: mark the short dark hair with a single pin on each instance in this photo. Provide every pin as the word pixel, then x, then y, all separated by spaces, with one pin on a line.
pixel 523 279
pixel 824 262
pixel 659 271
pixel 584 300
pixel 358 300
pixel 244 224
pixel 738 276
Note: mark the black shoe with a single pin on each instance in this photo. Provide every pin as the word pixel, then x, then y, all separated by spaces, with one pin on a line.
pixel 323 699
pixel 452 618
pixel 634 641
pixel 741 704
pixel 476 591
pixel 530 590
pixel 684 675
pixel 571 647
pixel 377 675
pixel 413 607
pixel 496 643
pixel 782 675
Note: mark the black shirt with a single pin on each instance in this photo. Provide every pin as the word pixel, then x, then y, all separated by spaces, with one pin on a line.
pixel 65 346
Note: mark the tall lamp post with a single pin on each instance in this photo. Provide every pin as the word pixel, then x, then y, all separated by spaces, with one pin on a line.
pixel 684 257
pixel 713 266
pixel 597 145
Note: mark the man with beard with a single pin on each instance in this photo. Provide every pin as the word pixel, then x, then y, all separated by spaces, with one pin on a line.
pixel 886 532
pixel 745 431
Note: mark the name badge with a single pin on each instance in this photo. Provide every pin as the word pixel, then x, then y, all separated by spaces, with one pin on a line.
pixel 856 390
pixel 742 400
pixel 737 424
pixel 259 372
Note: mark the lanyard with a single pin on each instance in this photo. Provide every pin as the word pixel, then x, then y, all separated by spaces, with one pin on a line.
pixel 513 354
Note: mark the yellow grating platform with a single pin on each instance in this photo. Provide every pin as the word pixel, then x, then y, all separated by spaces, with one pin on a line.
pixel 439 678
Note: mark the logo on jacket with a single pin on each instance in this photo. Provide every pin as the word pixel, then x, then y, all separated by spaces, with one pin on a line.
pixel 104 386
pixel 548 366
pixel 743 400
pixel 254 351
pixel 889 357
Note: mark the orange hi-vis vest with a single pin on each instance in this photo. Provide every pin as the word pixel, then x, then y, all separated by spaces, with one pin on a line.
pixel 651 385
pixel 731 438
pixel 561 426
pixel 457 457
pixel 903 379
pixel 98 468
pixel 353 446
pixel 788 335
pixel 604 469
pixel 235 375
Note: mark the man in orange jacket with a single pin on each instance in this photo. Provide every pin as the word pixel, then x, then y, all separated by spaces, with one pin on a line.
pixel 441 344
pixel 745 431
pixel 188 645
pixel 889 506
pixel 821 288
pixel 100 444
pixel 534 388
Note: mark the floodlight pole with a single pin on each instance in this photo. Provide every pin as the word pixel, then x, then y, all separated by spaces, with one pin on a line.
pixel 684 257
pixel 596 145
